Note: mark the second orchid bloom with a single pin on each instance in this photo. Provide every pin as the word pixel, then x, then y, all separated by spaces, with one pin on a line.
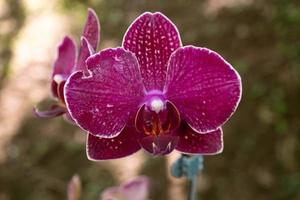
pixel 68 61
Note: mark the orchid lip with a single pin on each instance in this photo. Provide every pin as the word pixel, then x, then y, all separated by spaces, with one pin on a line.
pixel 161 145
pixel 157 116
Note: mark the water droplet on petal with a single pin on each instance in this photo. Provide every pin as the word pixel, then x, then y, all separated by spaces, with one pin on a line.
pixel 109 105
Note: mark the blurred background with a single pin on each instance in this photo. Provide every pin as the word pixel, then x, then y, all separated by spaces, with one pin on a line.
pixel 261 158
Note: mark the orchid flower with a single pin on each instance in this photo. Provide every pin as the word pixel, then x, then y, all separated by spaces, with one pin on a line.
pixel 153 93
pixel 67 62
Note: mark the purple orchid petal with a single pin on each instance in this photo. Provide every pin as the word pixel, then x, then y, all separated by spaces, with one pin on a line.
pixel 103 102
pixel 110 148
pixel 65 60
pixel 91 29
pixel 74 188
pixel 192 142
pixel 159 145
pixel 85 51
pixel 136 189
pixel 203 86
pixel 63 64
pixel 152 37
pixel 54 111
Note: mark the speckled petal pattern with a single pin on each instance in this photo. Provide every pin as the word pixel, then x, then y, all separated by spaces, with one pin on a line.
pixel 192 142
pixel 91 29
pixel 65 60
pixel 103 102
pixel 110 148
pixel 203 86
pixel 152 37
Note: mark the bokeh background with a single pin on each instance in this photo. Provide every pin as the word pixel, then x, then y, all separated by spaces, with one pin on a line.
pixel 261 158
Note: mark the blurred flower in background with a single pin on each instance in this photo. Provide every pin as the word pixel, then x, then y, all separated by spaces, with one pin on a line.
pixel 74 188
pixel 135 189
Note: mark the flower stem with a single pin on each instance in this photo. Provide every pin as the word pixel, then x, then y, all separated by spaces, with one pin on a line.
pixel 192 189
pixel 188 166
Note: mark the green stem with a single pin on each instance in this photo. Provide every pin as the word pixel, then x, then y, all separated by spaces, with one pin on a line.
pixel 188 166
pixel 192 189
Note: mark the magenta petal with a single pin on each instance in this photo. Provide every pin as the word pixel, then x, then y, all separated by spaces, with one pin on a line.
pixel 103 102
pixel 65 60
pixel 152 37
pixel 84 52
pixel 91 29
pixel 203 86
pixel 196 143
pixel 54 111
pixel 110 148
pixel 159 145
